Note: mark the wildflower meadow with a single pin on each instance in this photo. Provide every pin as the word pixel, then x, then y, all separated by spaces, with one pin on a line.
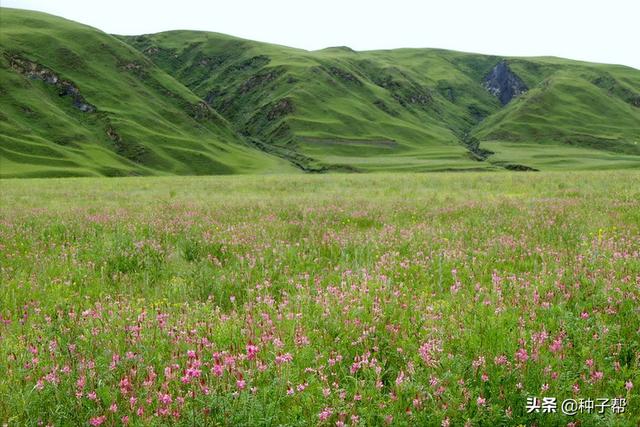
pixel 386 299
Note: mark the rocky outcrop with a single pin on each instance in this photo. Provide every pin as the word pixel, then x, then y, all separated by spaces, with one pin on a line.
pixel 268 124
pixel 280 109
pixel 384 107
pixel 131 150
pixel 614 88
pixel 260 80
pixel 406 91
pixel 504 83
pixel 35 71
pixel 250 65
pixel 67 88
pixel 344 75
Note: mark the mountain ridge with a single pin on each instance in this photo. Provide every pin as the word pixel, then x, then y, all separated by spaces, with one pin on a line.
pixel 200 102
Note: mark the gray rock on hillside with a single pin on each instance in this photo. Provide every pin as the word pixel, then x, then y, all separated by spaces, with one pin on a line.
pixel 504 83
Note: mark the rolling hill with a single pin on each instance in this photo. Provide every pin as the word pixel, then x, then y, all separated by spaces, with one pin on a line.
pixel 77 101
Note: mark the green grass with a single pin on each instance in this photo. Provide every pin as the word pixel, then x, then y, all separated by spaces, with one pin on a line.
pixel 557 157
pixel 199 103
pixel 406 299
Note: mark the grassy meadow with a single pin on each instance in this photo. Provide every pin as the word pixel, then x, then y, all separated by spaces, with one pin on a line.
pixel 399 299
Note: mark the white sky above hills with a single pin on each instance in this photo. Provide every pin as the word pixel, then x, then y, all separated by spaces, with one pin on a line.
pixel 598 31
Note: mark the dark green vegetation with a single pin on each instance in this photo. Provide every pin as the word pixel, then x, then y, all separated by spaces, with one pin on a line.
pixel 186 102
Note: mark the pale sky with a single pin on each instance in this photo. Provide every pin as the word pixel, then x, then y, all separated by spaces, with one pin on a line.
pixel 599 31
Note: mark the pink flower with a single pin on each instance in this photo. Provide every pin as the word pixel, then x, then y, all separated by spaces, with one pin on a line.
pixel 193 372
pixel 428 352
pixel 628 385
pixel 252 351
pixel 217 370
pixel 191 354
pixel 480 361
pixel 597 375
pixel 522 355
pixel 556 345
pixel 241 384
pixel 325 414
pixel 501 360
pixel 433 381
pixel 230 361
pixel 584 315
pixel 96 421
pixel 113 408
pixel 125 385
pixel 481 401
pixel 283 358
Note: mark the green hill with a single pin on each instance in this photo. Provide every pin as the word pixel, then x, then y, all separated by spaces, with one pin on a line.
pixel 334 108
pixel 185 102
pixel 411 109
pixel 76 101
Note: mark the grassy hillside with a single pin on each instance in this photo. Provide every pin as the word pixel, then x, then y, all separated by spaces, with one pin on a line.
pixel 141 120
pixel 76 101
pixel 407 109
pixel 574 112
pixel 333 107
